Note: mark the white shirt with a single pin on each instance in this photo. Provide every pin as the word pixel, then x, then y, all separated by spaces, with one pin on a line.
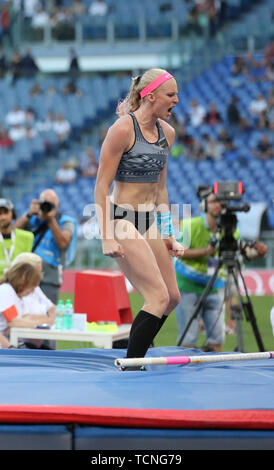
pixel 98 8
pixel 15 117
pixel 36 303
pixel 65 175
pixel 257 106
pixel 8 299
pixel 197 115
pixel 40 19
pixel 61 127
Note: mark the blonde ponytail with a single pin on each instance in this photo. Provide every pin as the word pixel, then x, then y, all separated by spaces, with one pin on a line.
pixel 133 100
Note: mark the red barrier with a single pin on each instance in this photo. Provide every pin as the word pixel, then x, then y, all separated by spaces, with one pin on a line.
pixel 103 296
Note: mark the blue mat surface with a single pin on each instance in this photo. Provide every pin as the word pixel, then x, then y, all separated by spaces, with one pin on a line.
pixel 89 378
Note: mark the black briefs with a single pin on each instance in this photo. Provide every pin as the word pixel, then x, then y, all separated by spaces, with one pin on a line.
pixel 140 219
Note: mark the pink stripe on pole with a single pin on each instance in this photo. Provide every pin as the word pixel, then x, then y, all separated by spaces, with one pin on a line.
pixel 178 360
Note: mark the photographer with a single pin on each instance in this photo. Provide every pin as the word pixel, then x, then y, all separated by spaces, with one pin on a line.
pixel 194 270
pixel 55 239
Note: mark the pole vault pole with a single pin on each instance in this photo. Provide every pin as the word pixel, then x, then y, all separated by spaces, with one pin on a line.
pixel 184 360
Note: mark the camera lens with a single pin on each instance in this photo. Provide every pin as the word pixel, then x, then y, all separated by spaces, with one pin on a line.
pixel 46 206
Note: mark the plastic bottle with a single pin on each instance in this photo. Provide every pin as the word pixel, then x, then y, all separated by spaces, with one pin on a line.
pixel 59 318
pixel 68 315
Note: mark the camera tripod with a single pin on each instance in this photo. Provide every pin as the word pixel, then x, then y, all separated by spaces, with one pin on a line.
pixel 233 272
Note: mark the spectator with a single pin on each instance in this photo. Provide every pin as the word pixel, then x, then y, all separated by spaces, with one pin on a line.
pixel 62 128
pixel 29 9
pixel 226 140
pixel 47 124
pixel 235 120
pixel 89 164
pixel 30 117
pixel 71 89
pixel 78 8
pixel 98 8
pixel 18 281
pixel 28 65
pixel 15 67
pixel 6 22
pixel 264 148
pixel 269 73
pixel 35 90
pixel 30 132
pixel 5 140
pixel 213 149
pixel 17 132
pixel 194 150
pixel 55 239
pixel 12 241
pixel 40 20
pixel 255 69
pixel 196 114
pixel 74 69
pixel 237 71
pixel 15 117
pixel 258 105
pixel 4 66
pixel 269 54
pixel 182 136
pixel 213 117
pixel 66 174
pixel 270 113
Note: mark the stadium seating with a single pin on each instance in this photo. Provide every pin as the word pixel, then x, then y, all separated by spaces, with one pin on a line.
pixel 42 154
pixel 183 175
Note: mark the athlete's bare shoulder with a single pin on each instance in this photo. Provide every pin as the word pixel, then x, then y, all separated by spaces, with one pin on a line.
pixel 119 134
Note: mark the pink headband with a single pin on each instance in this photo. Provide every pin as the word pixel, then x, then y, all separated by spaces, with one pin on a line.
pixel 155 84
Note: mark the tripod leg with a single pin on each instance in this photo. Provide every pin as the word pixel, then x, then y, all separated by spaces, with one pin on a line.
pixel 236 313
pixel 201 301
pixel 249 311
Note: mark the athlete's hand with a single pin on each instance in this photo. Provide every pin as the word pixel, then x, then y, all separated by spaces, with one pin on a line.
pixel 174 248
pixel 112 248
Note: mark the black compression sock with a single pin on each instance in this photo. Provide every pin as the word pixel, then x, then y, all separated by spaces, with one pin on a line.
pixel 161 322
pixel 143 330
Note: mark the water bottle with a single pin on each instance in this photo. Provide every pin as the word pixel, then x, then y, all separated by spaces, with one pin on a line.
pixel 68 315
pixel 59 318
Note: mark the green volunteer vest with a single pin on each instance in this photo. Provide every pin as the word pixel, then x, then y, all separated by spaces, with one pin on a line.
pixel 22 244
pixel 200 238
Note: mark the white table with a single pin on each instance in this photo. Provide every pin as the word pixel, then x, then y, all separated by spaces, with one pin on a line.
pixel 99 338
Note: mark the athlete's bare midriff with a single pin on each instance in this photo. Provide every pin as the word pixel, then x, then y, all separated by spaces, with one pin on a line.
pixel 141 196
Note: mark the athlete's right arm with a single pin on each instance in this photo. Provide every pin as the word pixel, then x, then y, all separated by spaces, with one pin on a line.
pixel 117 141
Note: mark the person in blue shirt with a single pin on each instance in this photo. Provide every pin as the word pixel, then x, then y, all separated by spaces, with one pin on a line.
pixel 55 239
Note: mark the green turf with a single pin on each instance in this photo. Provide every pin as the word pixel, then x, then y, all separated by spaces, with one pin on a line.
pixel 168 334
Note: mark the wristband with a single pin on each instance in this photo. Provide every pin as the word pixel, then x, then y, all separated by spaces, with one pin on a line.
pixel 28 215
pixel 164 224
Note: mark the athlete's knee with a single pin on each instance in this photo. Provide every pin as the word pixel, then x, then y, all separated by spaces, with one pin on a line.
pixel 174 298
pixel 163 299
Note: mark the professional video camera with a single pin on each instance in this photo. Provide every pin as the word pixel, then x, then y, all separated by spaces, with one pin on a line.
pixel 225 192
pixel 228 248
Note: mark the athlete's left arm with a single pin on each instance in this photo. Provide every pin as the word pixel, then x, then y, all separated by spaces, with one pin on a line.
pixel 162 204
pixel 162 197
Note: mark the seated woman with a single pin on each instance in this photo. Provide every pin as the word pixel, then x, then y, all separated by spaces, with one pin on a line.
pixel 18 281
pixel 36 303
pixel 36 306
